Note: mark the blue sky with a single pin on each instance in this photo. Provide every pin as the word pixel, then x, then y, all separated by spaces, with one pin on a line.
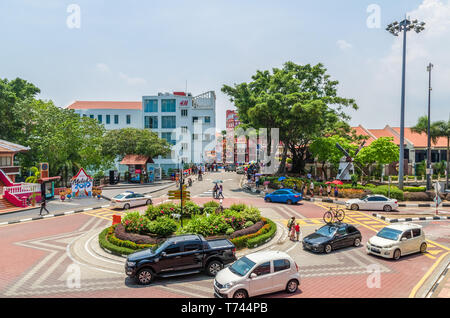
pixel 126 49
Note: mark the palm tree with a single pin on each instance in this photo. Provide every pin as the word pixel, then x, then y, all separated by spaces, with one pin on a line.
pixel 438 130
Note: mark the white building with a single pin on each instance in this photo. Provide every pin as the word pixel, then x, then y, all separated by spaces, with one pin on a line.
pixel 186 122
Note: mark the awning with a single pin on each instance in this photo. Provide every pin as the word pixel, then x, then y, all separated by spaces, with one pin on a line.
pixel 136 160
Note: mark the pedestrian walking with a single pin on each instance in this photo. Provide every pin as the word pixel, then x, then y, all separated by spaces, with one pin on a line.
pixel 215 189
pixel 221 192
pixel 292 232
pixel 43 206
pixel 297 231
pixel 336 192
pixel 321 190
pixel 311 188
pixel 329 190
pixel 291 223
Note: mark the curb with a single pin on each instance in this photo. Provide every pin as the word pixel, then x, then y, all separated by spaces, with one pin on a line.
pixel 428 218
pixel 165 187
pixel 422 205
pixel 54 215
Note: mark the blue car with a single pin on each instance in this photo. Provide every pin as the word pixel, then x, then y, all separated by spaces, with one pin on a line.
pixel 284 196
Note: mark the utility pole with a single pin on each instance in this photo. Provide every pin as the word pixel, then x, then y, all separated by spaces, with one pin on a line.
pixel 429 68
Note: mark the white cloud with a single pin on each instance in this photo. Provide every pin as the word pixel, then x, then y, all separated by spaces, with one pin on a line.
pixel 343 45
pixel 132 80
pixel 102 67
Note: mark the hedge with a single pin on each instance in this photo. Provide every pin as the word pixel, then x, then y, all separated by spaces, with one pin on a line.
pixel 108 241
pixel 258 238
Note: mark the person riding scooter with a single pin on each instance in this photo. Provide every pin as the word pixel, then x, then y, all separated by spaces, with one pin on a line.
pixel 189 182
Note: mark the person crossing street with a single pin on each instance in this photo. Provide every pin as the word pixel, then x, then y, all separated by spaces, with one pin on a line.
pixel 43 206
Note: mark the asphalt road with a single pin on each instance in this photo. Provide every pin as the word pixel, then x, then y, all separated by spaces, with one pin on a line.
pixel 40 257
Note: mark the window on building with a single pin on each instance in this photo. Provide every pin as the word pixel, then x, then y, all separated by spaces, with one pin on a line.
pixel 194 119
pixel 91 116
pixel 168 156
pixel 84 115
pixel 108 119
pixel 5 161
pixel 128 119
pixel 184 113
pixel 151 122
pixel 184 146
pixel 116 119
pixel 151 106
pixel 207 119
pixel 168 136
pixel 206 137
pixel 168 122
pixel 100 118
pixel 184 129
pixel 168 105
pixel 194 136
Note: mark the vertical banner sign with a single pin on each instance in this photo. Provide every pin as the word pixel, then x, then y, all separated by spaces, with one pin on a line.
pixel 81 185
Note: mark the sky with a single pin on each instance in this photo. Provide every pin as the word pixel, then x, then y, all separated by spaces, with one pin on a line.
pixel 122 50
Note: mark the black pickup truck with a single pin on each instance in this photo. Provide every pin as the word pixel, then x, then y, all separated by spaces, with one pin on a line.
pixel 180 255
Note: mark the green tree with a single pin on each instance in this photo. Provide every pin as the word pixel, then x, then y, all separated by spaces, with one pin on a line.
pixel 381 151
pixel 300 100
pixel 14 96
pixel 121 142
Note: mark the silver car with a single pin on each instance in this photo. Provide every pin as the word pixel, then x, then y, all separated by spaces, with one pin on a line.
pixel 129 199
pixel 372 202
pixel 256 274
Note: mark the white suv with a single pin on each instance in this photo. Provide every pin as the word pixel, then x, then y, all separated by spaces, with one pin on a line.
pixel 256 274
pixel 396 240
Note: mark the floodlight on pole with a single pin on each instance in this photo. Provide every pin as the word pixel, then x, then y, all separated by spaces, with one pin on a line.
pixel 395 29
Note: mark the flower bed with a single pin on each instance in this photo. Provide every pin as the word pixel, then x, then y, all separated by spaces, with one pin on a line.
pixel 242 224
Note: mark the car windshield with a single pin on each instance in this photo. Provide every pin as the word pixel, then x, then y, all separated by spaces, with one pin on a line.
pixel 160 248
pixel 327 230
pixel 365 197
pixel 389 234
pixel 242 266
pixel 119 196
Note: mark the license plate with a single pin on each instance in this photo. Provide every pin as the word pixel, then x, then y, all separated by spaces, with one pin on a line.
pixel 376 250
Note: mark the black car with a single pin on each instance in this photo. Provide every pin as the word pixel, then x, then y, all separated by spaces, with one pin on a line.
pixel 332 237
pixel 180 255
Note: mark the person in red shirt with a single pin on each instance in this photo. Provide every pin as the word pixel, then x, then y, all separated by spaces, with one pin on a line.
pixel 297 231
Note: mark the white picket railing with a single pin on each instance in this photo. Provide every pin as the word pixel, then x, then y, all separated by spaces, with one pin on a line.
pixel 23 188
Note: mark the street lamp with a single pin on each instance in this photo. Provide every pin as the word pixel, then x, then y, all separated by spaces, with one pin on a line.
pixel 429 68
pixel 395 28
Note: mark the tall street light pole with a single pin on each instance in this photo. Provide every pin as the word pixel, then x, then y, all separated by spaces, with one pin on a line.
pixel 395 29
pixel 429 68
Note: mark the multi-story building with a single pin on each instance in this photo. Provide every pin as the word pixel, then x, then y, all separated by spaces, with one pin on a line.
pixel 187 122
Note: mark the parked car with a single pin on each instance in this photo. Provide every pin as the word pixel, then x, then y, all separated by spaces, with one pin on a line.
pixel 129 199
pixel 180 255
pixel 396 240
pixel 230 167
pixel 372 202
pixel 332 237
pixel 256 274
pixel 288 196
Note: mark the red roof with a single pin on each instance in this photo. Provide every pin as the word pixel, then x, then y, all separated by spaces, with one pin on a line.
pixel 104 105
pixel 136 160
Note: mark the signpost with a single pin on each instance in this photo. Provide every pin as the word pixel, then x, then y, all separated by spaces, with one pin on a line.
pixel 181 195
pixel 437 199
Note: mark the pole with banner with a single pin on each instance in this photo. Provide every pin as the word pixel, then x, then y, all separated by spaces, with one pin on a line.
pixel 437 199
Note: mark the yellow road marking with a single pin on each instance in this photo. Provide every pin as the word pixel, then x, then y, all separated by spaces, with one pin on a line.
pixel 424 278
pixel 97 216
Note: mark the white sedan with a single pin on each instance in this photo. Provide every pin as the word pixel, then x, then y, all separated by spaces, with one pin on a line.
pixel 129 199
pixel 372 202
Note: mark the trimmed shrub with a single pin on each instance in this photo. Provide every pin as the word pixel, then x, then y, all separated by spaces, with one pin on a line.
pixel 134 222
pixel 108 240
pixel 414 189
pixel 395 192
pixel 250 230
pixel 251 214
pixel 211 204
pixel 121 233
pixel 207 226
pixel 229 231
pixel 164 209
pixel 163 226
pixel 267 234
pixel 190 208
pixel 239 207
pixel 248 224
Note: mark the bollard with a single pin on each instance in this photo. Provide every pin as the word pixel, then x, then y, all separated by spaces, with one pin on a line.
pixel 116 219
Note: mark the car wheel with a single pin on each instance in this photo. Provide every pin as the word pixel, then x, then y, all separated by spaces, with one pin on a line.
pixel 149 202
pixel 397 254
pixel 423 247
pixel 289 202
pixel 355 207
pixel 241 293
pixel 268 200
pixel 126 206
pixel 145 276
pixel 357 242
pixel 213 268
pixel 327 249
pixel 387 208
pixel 292 286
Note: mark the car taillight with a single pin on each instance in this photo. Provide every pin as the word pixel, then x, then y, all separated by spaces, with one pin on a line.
pixel 296 196
pixel 395 202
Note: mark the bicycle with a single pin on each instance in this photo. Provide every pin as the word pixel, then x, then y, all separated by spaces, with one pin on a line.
pixel 334 213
